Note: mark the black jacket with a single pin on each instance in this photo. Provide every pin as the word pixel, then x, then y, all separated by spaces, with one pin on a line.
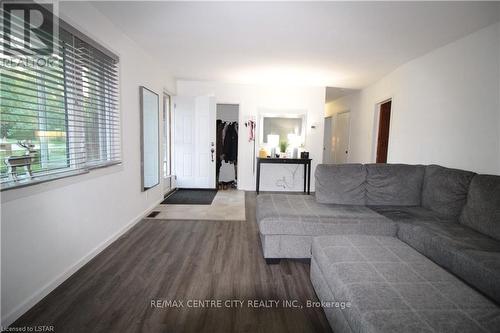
pixel 230 145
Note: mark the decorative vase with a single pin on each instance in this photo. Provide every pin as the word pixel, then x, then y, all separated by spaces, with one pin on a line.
pixel 263 153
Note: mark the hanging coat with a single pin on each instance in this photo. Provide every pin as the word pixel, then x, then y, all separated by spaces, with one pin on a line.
pixel 219 139
pixel 231 143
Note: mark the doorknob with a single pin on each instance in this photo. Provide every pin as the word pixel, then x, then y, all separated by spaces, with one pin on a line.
pixel 212 150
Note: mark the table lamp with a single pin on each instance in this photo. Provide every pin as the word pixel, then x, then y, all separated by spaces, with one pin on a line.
pixel 273 140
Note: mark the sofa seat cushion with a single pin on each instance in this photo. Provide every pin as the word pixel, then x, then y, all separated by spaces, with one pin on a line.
pixel 394 184
pixel 282 214
pixel 407 213
pixel 482 211
pixel 445 190
pixel 393 288
pixel 472 256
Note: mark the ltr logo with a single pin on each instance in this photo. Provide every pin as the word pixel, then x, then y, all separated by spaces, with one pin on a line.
pixel 28 28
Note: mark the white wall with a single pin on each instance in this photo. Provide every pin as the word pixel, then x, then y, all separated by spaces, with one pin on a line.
pixel 227 112
pixel 52 229
pixel 445 110
pixel 342 104
pixel 251 99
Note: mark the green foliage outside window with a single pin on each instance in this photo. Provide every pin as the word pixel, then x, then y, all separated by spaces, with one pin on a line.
pixel 33 109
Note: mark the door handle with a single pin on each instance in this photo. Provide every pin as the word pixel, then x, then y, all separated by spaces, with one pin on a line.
pixel 212 151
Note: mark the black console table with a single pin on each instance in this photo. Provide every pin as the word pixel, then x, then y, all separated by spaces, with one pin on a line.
pixel 304 161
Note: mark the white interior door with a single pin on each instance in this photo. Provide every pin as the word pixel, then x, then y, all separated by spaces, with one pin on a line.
pixel 194 138
pixel 328 152
pixel 341 137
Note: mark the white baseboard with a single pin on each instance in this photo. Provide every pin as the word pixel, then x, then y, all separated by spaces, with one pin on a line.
pixel 49 287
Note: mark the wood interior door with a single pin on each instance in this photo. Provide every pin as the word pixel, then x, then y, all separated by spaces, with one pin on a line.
pixel 383 132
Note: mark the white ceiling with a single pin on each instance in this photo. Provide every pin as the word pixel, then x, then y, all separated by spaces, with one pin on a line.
pixel 341 44
pixel 333 93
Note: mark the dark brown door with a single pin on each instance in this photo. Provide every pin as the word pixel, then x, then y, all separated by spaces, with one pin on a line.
pixel 383 132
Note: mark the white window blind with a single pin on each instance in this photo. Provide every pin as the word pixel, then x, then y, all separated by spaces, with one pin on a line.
pixel 59 119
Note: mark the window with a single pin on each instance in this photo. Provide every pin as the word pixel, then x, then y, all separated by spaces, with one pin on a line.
pixel 58 119
pixel 166 143
pixel 166 135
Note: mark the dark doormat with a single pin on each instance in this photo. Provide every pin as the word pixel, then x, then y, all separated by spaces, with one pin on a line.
pixel 191 197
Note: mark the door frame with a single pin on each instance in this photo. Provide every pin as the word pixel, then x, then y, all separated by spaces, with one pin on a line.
pixel 169 177
pixel 376 125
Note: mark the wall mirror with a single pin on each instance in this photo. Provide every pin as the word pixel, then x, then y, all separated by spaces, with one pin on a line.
pixel 289 127
pixel 150 139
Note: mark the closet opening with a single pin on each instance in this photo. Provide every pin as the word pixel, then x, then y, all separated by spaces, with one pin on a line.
pixel 226 168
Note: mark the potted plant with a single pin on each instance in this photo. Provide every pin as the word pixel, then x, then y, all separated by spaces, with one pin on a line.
pixel 283 147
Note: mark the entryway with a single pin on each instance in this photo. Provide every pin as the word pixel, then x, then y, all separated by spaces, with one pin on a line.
pixel 205 159
pixel 227 205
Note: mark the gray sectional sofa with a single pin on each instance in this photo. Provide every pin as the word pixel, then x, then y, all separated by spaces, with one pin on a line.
pixel 411 247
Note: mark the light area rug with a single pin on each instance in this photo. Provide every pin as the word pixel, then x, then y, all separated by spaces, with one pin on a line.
pixel 227 205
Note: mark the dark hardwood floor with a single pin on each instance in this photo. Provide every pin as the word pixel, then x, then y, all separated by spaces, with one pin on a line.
pixel 182 260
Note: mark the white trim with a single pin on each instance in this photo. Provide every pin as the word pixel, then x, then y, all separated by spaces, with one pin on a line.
pixel 49 287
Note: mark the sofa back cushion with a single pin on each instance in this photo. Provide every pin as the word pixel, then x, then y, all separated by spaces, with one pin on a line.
pixel 394 184
pixel 482 210
pixel 445 190
pixel 342 184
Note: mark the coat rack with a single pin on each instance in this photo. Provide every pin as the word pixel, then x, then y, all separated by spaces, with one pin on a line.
pixel 250 124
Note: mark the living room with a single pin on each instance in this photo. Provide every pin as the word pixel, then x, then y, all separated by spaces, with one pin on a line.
pixel 79 252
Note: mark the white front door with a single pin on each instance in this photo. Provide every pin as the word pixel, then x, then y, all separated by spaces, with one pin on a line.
pixel 194 139
pixel 341 137
pixel 328 146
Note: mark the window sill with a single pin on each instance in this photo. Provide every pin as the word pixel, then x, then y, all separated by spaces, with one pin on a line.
pixel 37 180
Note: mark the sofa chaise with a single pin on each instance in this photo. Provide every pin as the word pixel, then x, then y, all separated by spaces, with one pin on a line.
pixel 413 247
